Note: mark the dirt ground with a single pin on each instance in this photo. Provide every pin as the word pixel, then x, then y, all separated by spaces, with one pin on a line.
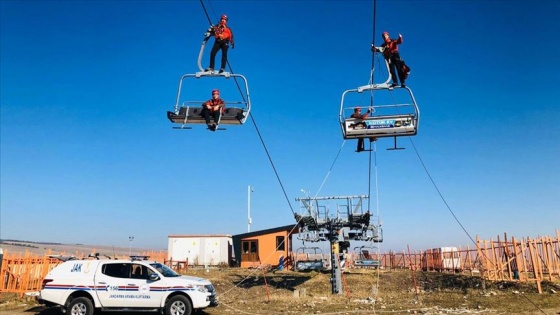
pixel 366 292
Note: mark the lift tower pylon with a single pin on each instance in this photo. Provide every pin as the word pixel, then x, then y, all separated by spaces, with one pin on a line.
pixel 348 222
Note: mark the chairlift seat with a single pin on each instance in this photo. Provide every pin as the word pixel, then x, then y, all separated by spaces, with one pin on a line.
pixel 193 115
pixel 380 126
pixel 187 111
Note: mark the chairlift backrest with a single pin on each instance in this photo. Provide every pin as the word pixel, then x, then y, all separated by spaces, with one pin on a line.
pixel 189 111
pixel 394 112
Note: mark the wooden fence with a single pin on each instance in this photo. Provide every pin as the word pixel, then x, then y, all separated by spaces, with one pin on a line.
pixel 524 260
pixel 24 272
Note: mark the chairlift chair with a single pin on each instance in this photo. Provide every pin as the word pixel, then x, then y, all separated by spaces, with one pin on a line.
pixel 365 259
pixel 186 112
pixel 190 112
pixel 316 262
pixel 394 113
pixel 387 119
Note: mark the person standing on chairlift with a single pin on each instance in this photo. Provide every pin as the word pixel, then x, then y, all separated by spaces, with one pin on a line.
pixel 213 107
pixel 357 114
pixel 390 51
pixel 223 37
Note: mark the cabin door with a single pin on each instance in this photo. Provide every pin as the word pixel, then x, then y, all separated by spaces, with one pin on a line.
pixel 250 251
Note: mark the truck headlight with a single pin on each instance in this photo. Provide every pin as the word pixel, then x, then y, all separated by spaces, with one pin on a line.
pixel 201 288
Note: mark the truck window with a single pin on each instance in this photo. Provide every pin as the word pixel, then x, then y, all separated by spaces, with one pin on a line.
pixel 139 271
pixel 165 271
pixel 117 270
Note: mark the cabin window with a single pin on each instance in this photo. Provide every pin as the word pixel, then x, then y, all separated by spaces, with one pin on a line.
pixel 280 243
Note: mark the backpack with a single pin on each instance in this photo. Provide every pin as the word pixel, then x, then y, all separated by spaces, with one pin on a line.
pixel 405 70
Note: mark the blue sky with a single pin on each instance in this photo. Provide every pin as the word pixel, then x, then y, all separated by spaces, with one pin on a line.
pixel 88 155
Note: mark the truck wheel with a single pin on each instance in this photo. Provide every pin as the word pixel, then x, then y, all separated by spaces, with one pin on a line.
pixel 80 306
pixel 178 305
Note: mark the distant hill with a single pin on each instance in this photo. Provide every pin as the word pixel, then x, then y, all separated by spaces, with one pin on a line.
pixel 41 248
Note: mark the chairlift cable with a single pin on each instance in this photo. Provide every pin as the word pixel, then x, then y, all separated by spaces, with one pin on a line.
pixel 272 163
pixel 453 213
pixel 374 147
pixel 330 169
pixel 373 39
pixel 378 278
pixel 206 12
pixel 255 124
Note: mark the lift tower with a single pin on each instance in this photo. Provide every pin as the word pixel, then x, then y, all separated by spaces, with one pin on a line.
pixel 348 222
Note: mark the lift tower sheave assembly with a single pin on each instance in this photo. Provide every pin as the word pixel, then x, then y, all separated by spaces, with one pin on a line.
pixel 348 222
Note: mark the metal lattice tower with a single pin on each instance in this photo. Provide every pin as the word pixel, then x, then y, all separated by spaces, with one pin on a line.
pixel 348 222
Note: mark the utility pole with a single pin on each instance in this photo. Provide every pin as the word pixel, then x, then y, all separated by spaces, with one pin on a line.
pixel 249 220
pixel 130 239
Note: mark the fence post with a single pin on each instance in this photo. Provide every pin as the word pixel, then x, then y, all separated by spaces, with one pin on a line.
pixel 1 258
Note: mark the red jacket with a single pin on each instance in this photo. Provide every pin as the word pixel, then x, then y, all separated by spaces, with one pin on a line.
pixel 391 46
pixel 222 32
pixel 211 104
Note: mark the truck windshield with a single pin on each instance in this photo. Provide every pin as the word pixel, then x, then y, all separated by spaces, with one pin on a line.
pixel 164 270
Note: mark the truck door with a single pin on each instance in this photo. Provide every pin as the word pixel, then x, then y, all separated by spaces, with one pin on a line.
pixel 111 281
pixel 144 292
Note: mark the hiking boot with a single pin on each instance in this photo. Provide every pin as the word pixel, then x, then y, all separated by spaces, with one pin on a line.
pixel 403 85
pixel 209 69
pixel 394 84
pixel 221 70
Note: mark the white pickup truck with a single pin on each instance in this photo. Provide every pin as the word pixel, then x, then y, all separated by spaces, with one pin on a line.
pixel 82 286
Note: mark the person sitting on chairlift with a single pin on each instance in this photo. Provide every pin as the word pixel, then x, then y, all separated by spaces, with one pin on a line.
pixel 213 107
pixel 358 115
pixel 224 36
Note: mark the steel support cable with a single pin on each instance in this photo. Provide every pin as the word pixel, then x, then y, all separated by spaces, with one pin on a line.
pixel 377 213
pixel 330 169
pixel 264 146
pixel 206 12
pixel 453 213
pixel 374 145
pixel 272 163
pixel 289 204
pixel 278 177
pixel 274 168
pixel 255 124
pixel 262 140
pixel 371 95
pixel 269 157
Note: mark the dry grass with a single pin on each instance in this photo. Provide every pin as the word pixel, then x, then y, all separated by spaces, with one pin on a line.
pixel 244 291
